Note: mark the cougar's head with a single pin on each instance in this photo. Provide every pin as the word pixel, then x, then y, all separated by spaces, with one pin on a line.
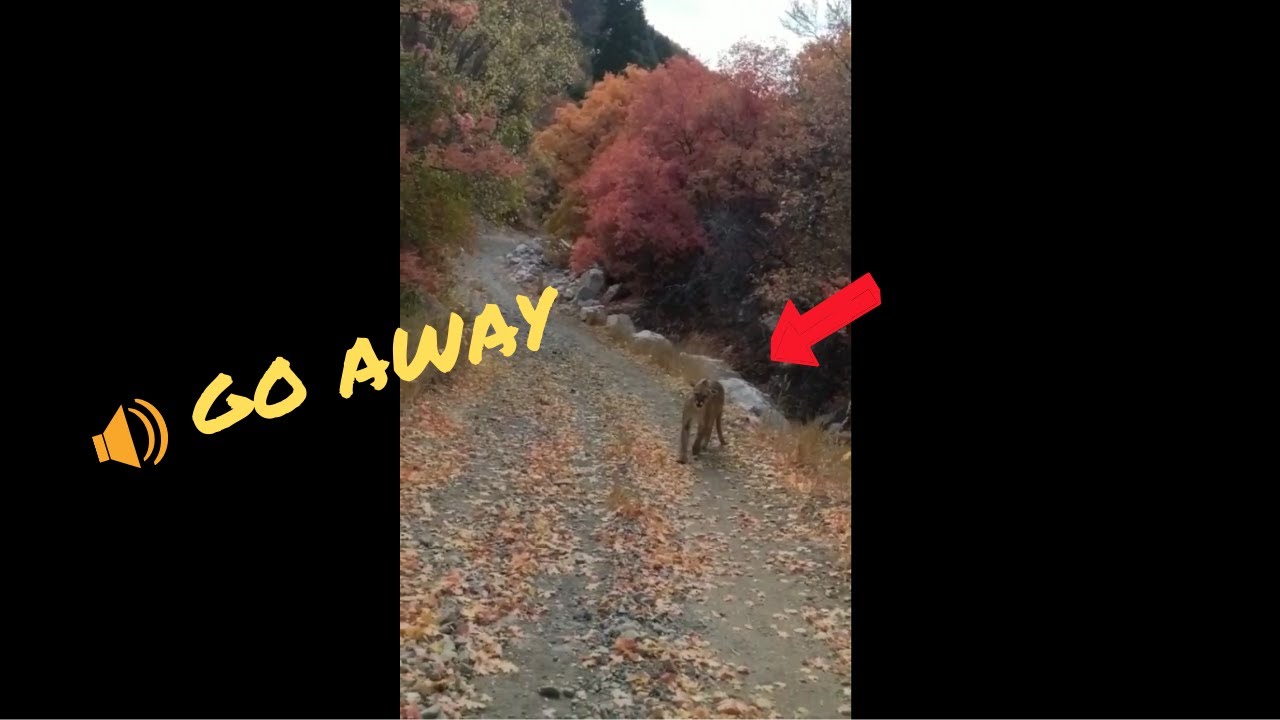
pixel 701 392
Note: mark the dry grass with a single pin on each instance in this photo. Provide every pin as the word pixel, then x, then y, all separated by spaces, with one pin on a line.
pixel 698 343
pixel 822 461
pixel 676 362
pixel 684 360
pixel 557 252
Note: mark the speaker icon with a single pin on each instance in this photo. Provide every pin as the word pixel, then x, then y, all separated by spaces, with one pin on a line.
pixel 116 443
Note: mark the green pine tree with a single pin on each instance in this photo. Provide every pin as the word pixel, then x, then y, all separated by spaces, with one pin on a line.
pixel 625 38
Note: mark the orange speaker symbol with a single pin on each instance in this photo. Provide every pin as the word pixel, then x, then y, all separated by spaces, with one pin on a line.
pixel 115 443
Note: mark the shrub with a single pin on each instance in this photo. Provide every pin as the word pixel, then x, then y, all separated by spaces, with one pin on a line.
pixel 585 254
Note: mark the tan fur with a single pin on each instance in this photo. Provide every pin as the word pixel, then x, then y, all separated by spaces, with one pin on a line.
pixel 705 403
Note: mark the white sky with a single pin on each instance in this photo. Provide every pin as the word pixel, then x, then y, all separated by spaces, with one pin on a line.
pixel 707 28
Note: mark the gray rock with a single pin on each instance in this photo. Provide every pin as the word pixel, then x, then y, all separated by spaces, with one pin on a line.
pixel 448 651
pixel 742 393
pixel 592 315
pixel 431 713
pixel 649 341
pixel 612 292
pixel 449 613
pixel 524 274
pixel 621 324
pixel 592 285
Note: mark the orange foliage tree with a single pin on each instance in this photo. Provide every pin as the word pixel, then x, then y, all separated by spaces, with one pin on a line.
pixel 812 167
pixel 579 133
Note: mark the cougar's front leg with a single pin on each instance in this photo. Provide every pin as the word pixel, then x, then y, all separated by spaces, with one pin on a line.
pixel 700 442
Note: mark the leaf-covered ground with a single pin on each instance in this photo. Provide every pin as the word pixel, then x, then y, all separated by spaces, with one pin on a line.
pixel 555 560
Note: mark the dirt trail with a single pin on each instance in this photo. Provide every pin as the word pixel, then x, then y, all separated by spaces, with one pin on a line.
pixel 557 562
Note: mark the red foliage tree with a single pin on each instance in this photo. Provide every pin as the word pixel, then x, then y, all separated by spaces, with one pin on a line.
pixel 692 140
pixel 764 69
pixel 585 253
pixel 639 215
pixel 714 128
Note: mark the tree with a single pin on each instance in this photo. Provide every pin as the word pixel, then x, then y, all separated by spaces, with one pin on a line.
pixel 525 54
pixel 626 38
pixel 580 131
pixel 576 137
pixel 638 215
pixel 812 161
pixel 665 48
pixel 691 142
pixel 472 75
pixel 824 28
pixel 713 129
pixel 764 69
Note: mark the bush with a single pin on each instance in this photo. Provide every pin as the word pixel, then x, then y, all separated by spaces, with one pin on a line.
pixel 435 213
pixel 557 252
pixel 585 254
pixel 415 276
pixel 497 199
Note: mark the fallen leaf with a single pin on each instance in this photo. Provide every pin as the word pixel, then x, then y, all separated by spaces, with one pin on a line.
pixel 733 706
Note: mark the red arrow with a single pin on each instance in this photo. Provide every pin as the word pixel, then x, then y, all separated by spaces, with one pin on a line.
pixel 796 334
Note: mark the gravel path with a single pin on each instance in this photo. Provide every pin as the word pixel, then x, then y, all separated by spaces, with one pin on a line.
pixel 557 562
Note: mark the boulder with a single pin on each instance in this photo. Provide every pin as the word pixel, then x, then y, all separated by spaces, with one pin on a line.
pixel 621 324
pixel 745 395
pixel 612 292
pixel 649 341
pixel 592 315
pixel 592 285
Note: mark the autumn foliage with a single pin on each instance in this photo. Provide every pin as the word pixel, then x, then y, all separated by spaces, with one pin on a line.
pixel 639 213
pixel 585 253
pixel 472 76
pixel 726 190
pixel 715 194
